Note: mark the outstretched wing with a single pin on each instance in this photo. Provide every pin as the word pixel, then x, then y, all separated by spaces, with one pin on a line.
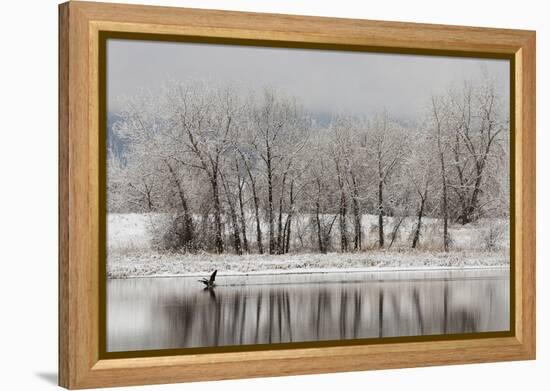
pixel 204 281
pixel 213 277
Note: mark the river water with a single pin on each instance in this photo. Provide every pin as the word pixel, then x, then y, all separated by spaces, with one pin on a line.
pixel 168 313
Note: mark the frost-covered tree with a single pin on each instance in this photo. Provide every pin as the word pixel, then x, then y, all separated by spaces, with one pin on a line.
pixel 479 130
pixel 234 170
pixel 420 170
pixel 282 132
pixel 385 143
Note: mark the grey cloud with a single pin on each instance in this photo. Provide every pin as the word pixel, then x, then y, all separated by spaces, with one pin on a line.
pixel 324 81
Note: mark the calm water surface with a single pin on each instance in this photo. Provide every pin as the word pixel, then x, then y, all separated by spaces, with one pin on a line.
pixel 167 313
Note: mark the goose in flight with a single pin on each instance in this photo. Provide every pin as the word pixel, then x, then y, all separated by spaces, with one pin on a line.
pixel 209 283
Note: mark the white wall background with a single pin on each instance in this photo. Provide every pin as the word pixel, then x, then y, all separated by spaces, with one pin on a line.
pixel 28 194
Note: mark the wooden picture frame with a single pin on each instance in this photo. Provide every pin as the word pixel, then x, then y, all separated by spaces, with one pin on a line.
pixel 81 24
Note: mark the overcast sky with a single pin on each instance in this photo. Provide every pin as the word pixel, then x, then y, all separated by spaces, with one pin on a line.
pixel 324 81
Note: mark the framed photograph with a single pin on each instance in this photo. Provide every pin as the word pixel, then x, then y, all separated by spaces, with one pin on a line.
pixel 246 195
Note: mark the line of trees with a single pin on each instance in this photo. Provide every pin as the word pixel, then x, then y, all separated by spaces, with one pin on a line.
pixel 259 173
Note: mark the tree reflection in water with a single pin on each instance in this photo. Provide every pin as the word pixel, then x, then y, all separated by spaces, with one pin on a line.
pixel 273 313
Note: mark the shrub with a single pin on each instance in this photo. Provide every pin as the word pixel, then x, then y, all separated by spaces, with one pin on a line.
pixel 173 232
pixel 492 236
pixel 431 236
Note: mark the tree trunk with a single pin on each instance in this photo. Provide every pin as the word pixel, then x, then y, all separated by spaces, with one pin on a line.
pixel 217 213
pixel 270 202
pixel 234 221
pixel 443 180
pixel 319 231
pixel 243 220
pixel 380 214
pixel 148 191
pixel 461 181
pixel 288 222
pixel 280 229
pixel 445 209
pixel 241 183
pixel 187 218
pixel 395 230
pixel 357 238
pixel 343 223
pixel 280 239
pixel 416 237
pixel 256 201
pixel 256 204
pixel 318 219
pixel 286 233
pixel 236 238
pixel 258 224
pixel 475 193
pixel 343 209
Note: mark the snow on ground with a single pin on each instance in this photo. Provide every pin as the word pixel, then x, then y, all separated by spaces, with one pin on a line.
pixel 130 231
pixel 144 264
pixel 130 253
pixel 133 231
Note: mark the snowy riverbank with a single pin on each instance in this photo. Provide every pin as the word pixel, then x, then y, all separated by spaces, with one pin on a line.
pixel 145 264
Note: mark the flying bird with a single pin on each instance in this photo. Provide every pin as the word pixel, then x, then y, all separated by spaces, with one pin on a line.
pixel 209 283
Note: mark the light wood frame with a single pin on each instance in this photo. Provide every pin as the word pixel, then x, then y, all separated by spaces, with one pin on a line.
pixel 80 23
